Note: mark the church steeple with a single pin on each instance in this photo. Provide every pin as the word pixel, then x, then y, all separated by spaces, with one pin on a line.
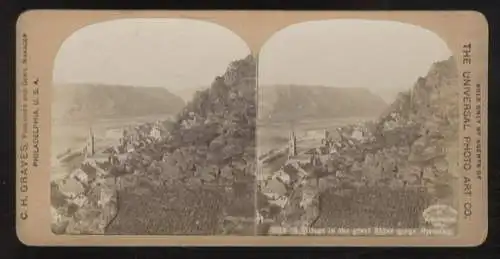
pixel 90 143
pixel 292 148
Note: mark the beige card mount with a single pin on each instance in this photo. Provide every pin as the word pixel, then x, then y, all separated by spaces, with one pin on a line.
pixel 252 128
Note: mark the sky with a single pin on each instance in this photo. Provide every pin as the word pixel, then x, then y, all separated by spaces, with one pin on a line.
pixel 383 56
pixel 178 54
pixel 184 55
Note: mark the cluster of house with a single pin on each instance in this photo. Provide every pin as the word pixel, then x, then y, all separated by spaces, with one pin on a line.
pixel 299 168
pixel 127 142
pixel 278 186
pixel 77 184
pixel 74 186
pixel 91 186
pixel 135 138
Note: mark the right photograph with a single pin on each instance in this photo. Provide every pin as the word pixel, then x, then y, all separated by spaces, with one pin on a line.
pixel 357 130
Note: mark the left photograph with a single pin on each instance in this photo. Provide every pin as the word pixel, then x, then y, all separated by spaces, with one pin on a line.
pixel 153 130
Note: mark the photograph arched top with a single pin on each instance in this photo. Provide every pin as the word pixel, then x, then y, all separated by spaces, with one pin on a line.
pixel 383 56
pixel 159 52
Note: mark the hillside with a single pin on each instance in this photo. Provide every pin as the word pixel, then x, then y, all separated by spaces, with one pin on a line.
pixel 89 101
pixel 394 167
pixel 210 148
pixel 197 178
pixel 285 102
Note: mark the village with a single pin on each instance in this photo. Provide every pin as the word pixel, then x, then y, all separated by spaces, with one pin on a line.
pixel 93 184
pixel 101 170
pixel 301 177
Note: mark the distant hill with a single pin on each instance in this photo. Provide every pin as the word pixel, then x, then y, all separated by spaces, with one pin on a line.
pixel 286 102
pixel 91 101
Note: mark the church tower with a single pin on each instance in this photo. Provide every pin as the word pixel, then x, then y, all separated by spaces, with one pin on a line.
pixel 292 148
pixel 90 143
pixel 326 138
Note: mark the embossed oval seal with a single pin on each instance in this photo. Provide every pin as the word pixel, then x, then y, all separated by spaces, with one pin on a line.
pixel 440 215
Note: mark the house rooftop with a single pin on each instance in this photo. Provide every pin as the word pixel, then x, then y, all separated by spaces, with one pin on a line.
pixel 71 186
pixel 89 170
pixel 274 186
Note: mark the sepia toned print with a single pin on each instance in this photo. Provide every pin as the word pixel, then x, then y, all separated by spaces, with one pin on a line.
pixel 153 162
pixel 279 128
pixel 373 136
